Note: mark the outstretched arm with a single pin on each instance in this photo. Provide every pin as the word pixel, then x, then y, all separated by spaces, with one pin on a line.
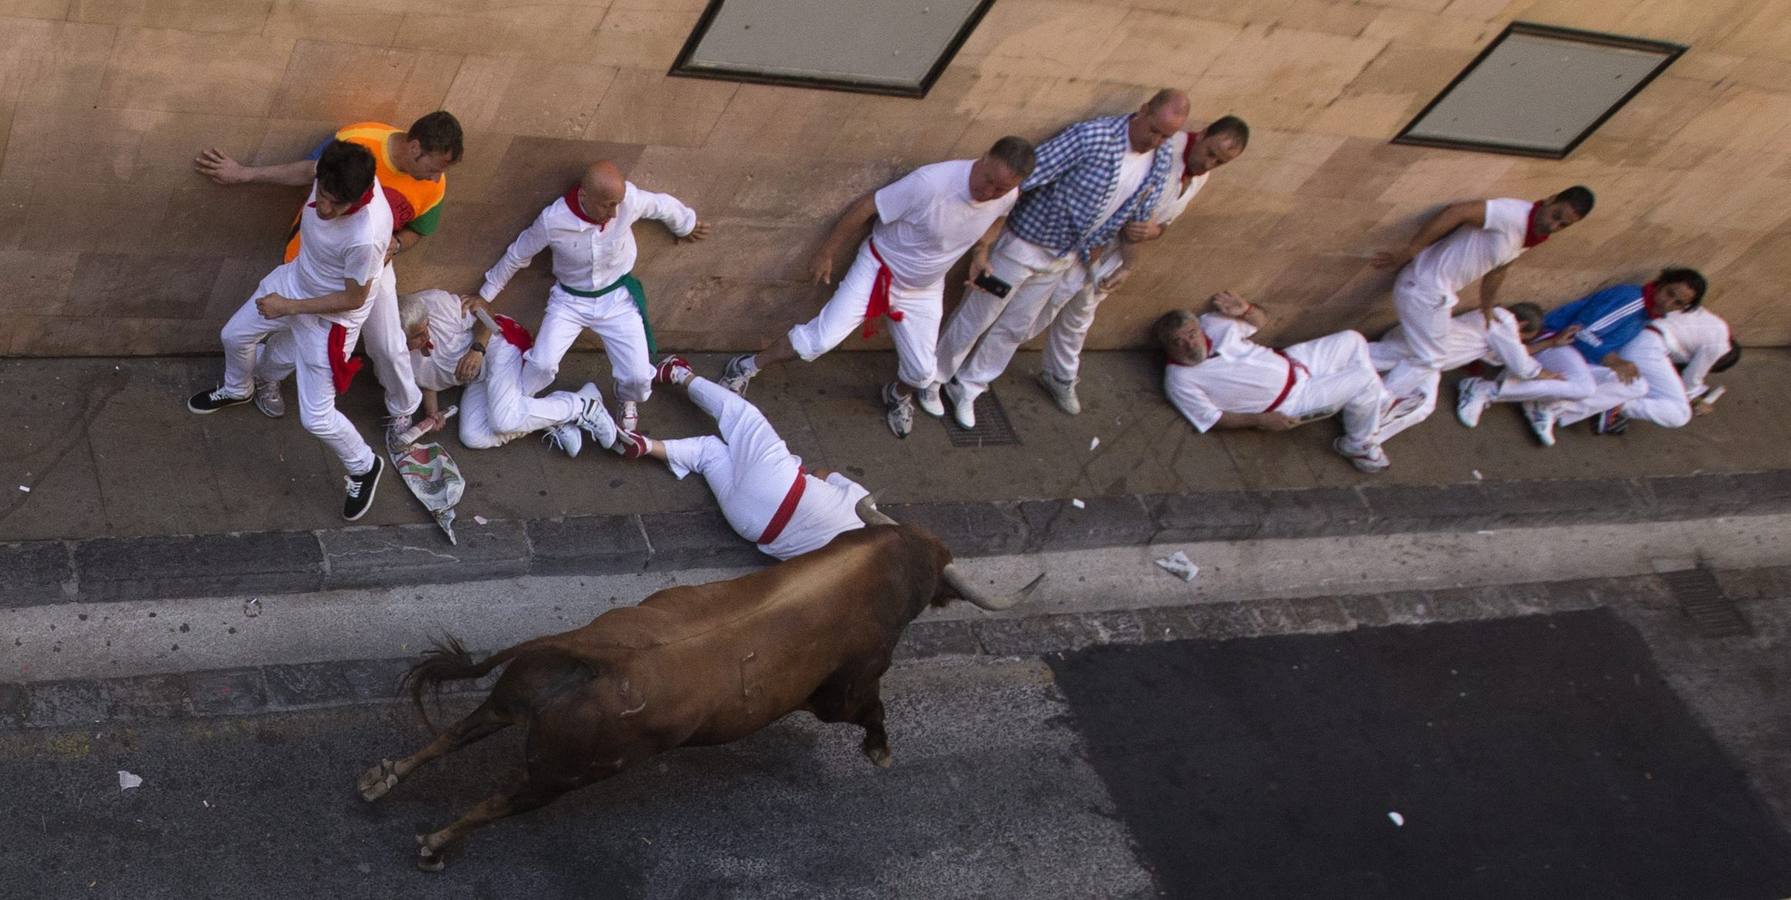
pixel 1447 219
pixel 849 228
pixel 221 168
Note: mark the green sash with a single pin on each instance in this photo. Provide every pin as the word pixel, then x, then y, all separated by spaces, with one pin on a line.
pixel 635 292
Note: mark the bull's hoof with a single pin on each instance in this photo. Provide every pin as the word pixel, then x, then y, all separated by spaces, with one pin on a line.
pixel 429 860
pixel 376 781
pixel 880 757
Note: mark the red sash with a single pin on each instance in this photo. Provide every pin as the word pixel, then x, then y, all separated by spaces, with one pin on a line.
pixel 785 509
pixel 571 199
pixel 342 368
pixel 879 303
pixel 513 332
pixel 1293 370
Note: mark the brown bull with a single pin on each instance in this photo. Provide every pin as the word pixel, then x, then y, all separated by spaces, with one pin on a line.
pixel 693 666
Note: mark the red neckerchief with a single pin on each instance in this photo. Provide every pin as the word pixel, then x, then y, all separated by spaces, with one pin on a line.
pixel 1530 238
pixel 1188 156
pixel 357 206
pixel 572 203
pixel 1648 299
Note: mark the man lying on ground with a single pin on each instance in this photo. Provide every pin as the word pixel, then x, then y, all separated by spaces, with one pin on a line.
pixel 1673 356
pixel 1412 387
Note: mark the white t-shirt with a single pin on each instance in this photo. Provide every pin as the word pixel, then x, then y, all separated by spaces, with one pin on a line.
pixel 451 331
pixel 1175 199
pixel 1695 339
pixel 351 247
pixel 926 220
pixel 588 255
pixel 1466 254
pixel 1133 167
pixel 1468 339
pixel 1238 374
pixel 828 508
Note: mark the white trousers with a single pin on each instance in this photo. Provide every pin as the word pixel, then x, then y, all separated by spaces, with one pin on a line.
pixel 1339 376
pixel 387 347
pixel 1576 381
pixel 748 468
pixel 1424 384
pixel 296 344
pixel 614 318
pixel 494 410
pixel 916 337
pixel 1658 396
pixel 1071 314
pixel 1002 324
pixel 1425 313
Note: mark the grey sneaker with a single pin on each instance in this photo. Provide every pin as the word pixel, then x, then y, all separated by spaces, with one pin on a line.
pixel 899 411
pixel 1472 397
pixel 1542 418
pixel 930 402
pixel 963 409
pixel 397 438
pixel 1063 393
pixel 566 437
pixel 734 376
pixel 594 419
pixel 268 399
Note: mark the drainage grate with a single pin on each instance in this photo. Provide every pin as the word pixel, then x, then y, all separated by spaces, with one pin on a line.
pixel 992 427
pixel 1703 601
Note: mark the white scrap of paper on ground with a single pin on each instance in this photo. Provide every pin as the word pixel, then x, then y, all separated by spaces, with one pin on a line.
pixel 126 780
pixel 26 488
pixel 1077 503
pixel 1179 565
pixel 482 520
pixel 1397 819
pixel 1093 443
pixel 1478 476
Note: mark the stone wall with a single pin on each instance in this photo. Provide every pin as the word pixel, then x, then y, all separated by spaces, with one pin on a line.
pixel 110 244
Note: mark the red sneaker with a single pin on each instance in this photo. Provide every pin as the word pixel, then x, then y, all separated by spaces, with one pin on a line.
pixel 674 369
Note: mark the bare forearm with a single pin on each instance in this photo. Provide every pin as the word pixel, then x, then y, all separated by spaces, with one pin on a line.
pixel 340 301
pixel 1489 287
pixel 1229 420
pixel 292 174
pixel 852 224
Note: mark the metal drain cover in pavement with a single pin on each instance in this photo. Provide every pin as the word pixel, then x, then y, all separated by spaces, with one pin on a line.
pixel 992 427
pixel 1704 602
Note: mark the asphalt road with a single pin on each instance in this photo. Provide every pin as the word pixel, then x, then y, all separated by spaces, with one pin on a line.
pixel 1526 757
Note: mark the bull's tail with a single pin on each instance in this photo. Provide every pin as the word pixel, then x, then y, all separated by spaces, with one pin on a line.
pixel 448 661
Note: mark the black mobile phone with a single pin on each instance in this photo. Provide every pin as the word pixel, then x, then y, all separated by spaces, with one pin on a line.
pixel 994 285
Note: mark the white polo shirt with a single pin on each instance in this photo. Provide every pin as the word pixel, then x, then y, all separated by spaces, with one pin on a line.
pixel 1175 198
pixel 1238 374
pixel 588 255
pixel 1695 339
pixel 828 508
pixel 451 333
pixel 926 220
pixel 349 247
pixel 1466 254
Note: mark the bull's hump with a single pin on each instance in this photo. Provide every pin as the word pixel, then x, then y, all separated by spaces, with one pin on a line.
pixel 829 579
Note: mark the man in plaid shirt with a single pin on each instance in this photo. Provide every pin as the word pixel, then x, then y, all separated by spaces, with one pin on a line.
pixel 1093 180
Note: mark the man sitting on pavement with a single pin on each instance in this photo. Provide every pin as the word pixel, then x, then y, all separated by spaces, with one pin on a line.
pixel 591 232
pixel 764 492
pixel 1599 325
pixel 411 166
pixel 1673 355
pixel 1471 338
pixel 451 347
pixel 919 226
pixel 1092 179
pixel 1071 313
pixel 310 310
pixel 1218 378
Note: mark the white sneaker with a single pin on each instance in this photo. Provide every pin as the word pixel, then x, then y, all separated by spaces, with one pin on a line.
pixel 1471 399
pixel 1370 459
pixel 734 376
pixel 631 416
pixel 1542 418
pixel 963 409
pixel 929 401
pixel 594 419
pixel 1063 393
pixel 268 399
pixel 566 437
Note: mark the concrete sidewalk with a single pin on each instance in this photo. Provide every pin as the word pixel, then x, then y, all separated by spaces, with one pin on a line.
pixel 115 466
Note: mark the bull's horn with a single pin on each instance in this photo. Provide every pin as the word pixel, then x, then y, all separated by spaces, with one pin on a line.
pixel 870 514
pixel 982 598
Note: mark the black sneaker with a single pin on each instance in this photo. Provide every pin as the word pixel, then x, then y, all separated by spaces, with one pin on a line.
pixel 207 402
pixel 1612 421
pixel 361 489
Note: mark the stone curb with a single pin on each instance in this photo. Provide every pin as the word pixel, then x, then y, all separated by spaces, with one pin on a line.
pixel 151 568
pixel 291 688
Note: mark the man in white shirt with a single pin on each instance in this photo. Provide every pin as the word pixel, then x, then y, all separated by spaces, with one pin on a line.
pixel 919 226
pixel 1218 378
pixel 1092 179
pixel 1673 355
pixel 1462 244
pixel 763 490
pixel 1071 312
pixel 590 230
pixel 1412 389
pixel 450 347
pixel 310 310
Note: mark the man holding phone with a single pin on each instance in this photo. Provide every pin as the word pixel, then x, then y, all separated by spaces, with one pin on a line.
pixel 1093 178
pixel 919 226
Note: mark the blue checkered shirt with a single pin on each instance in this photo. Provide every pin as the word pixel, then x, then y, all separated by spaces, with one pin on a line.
pixel 1077 171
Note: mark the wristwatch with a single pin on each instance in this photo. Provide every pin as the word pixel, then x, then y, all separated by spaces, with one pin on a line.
pixel 477 346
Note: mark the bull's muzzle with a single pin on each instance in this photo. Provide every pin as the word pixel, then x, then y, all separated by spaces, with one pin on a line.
pixel 962 585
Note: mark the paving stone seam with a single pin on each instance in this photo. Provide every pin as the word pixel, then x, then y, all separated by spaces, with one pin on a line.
pixel 295 687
